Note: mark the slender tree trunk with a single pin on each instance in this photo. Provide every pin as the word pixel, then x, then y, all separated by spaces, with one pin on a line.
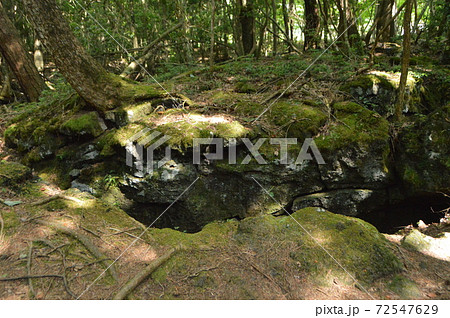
pixel 147 53
pixel 18 60
pixel 274 27
pixel 286 21
pixel 405 60
pixel 312 25
pixel 212 35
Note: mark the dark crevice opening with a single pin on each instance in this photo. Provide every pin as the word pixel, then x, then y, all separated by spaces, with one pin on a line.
pixel 391 218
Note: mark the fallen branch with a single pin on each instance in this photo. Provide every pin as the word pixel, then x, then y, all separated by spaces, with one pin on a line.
pixel 30 281
pixel 8 279
pixel 83 240
pixel 142 275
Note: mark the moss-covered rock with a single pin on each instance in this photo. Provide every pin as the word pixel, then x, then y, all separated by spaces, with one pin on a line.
pixel 356 148
pixel 13 173
pixel 404 287
pixel 377 91
pixel 276 250
pixel 84 125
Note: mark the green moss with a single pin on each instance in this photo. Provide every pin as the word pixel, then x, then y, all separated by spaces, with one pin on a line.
pixel 11 222
pixel 385 80
pixel 245 87
pixel 87 124
pixel 182 132
pixel 404 287
pixel 416 240
pixel 355 126
pixel 358 246
pixel 12 173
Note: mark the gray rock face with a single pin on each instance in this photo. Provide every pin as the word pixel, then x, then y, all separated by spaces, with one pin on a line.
pixel 350 202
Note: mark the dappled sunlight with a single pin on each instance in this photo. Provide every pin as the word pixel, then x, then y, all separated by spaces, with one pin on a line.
pixel 191 118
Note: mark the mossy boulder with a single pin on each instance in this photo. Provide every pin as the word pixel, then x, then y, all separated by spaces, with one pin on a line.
pixel 377 91
pixel 261 257
pixel 13 173
pixel 84 125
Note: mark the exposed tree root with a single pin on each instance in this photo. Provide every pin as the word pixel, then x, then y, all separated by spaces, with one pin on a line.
pixel 53 198
pixel 85 241
pixel 136 280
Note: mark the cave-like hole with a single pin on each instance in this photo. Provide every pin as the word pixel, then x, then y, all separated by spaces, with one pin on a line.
pixel 393 217
pixel 164 216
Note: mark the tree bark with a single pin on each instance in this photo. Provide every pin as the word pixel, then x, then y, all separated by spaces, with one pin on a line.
pixel 405 60
pixel 312 25
pixel 385 23
pixel 19 61
pixel 247 23
pixel 91 81
pixel 212 34
pixel 274 27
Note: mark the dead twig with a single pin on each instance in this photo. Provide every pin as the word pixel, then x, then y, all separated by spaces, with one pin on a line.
pixel 142 275
pixel 29 259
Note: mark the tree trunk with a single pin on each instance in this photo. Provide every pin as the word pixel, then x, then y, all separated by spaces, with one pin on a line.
pixel 147 53
pixel 212 34
pixel 247 23
pixel 286 21
pixel 274 27
pixel 84 74
pixel 405 60
pixel 385 24
pixel 18 60
pixel 312 25
pixel 347 24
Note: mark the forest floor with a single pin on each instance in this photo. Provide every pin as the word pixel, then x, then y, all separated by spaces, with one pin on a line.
pixel 29 247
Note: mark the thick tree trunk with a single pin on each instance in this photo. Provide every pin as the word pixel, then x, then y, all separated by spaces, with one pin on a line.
pixel 84 74
pixel 405 60
pixel 18 60
pixel 247 24
pixel 312 25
